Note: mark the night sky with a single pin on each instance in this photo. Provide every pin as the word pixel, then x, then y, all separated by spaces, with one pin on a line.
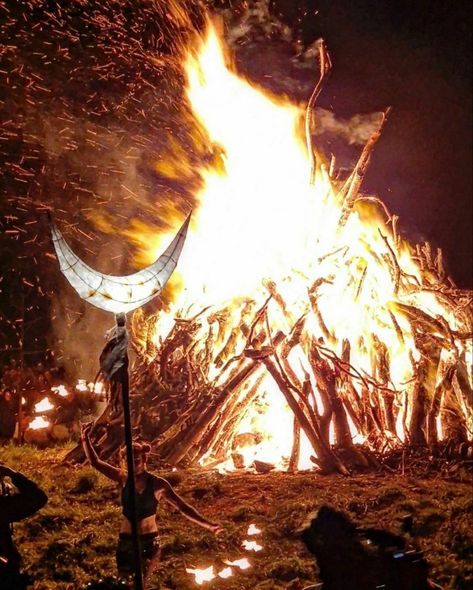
pixel 415 57
pixel 84 87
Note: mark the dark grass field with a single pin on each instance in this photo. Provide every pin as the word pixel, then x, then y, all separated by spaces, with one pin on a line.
pixel 71 541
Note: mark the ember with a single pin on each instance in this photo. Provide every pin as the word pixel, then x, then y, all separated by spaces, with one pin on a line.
pixel 202 575
pixel 243 564
pixel 251 546
pixel 38 423
pixel 43 406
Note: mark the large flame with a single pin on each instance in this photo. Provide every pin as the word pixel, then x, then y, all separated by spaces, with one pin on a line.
pixel 259 218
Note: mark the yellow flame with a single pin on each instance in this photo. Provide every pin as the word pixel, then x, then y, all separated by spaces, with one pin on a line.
pixel 259 218
pixel 38 423
pixel 60 390
pixel 43 406
pixel 202 575
pixel 251 546
pixel 243 564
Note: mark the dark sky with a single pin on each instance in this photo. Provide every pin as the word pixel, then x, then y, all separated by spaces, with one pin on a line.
pixel 415 57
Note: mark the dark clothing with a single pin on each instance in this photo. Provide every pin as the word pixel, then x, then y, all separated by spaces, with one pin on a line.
pixel 150 551
pixel 13 508
pixel 7 418
pixel 146 502
pixel 29 499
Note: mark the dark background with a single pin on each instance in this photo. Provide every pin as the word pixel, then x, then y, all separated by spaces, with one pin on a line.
pixel 75 93
pixel 415 57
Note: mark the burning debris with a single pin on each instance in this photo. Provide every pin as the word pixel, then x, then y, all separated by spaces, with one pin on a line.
pixel 208 574
pixel 56 417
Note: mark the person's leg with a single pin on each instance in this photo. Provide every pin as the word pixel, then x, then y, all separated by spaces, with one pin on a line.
pixel 151 552
pixel 124 557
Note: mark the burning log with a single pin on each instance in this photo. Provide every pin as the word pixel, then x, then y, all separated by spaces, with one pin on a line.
pixel 296 446
pixel 220 436
pixel 327 460
pixel 325 67
pixel 462 386
pixel 351 189
pixel 179 448
pixel 444 385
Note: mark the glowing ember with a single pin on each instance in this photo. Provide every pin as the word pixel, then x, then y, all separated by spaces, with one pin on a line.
pixel 38 423
pixel 225 573
pixel 60 390
pixel 251 546
pixel 96 387
pixel 82 385
pixel 243 564
pixel 202 575
pixel 43 406
pixel 253 530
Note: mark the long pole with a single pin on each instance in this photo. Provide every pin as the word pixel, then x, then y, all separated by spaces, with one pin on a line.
pixel 21 381
pixel 131 477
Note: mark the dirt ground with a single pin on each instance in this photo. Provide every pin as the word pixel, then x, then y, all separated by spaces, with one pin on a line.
pixel 71 541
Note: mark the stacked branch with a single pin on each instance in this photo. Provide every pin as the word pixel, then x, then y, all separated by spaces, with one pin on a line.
pixel 194 386
pixel 194 391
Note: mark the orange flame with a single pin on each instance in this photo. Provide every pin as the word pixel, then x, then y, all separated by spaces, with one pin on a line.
pixel 259 218
pixel 251 546
pixel 253 530
pixel 38 423
pixel 202 575
pixel 243 564
pixel 43 406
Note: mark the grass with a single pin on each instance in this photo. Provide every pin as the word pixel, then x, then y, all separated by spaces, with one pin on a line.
pixel 72 540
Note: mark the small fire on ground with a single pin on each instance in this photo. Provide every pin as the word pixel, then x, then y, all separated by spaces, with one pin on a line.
pixel 45 406
pixel 208 574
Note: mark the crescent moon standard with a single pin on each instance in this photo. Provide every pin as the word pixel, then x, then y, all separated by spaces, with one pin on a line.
pixel 118 294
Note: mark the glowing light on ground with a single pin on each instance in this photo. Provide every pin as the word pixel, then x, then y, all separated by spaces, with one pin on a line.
pixel 225 573
pixel 38 423
pixel 43 406
pixel 82 385
pixel 60 390
pixel 251 546
pixel 98 387
pixel 243 564
pixel 253 530
pixel 202 575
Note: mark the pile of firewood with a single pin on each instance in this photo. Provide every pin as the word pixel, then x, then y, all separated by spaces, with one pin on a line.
pixel 190 414
pixel 193 387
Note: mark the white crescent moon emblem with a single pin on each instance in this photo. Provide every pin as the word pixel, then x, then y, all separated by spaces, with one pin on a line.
pixel 118 294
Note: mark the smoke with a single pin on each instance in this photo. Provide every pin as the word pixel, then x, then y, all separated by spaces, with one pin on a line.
pixel 355 130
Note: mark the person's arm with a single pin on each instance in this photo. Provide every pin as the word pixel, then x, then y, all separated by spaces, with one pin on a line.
pixel 106 469
pixel 164 487
pixel 29 499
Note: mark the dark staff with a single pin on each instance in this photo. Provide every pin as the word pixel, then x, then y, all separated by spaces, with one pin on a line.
pixel 119 295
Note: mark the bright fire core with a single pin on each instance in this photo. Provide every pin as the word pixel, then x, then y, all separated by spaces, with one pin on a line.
pixel 261 226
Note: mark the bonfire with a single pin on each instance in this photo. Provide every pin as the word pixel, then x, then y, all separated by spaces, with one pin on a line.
pixel 305 331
